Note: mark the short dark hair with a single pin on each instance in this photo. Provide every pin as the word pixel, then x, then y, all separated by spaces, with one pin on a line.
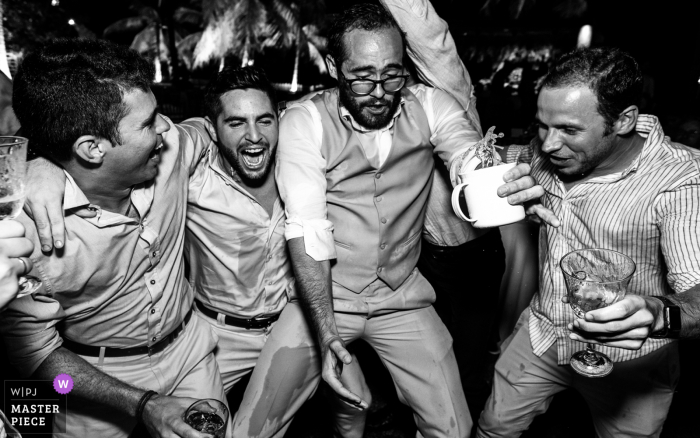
pixel 612 75
pixel 74 87
pixel 365 16
pixel 235 78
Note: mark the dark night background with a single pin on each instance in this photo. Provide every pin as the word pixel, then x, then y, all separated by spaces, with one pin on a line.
pixel 664 36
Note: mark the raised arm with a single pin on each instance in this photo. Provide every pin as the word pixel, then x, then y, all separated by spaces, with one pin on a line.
pixel 300 172
pixel 432 50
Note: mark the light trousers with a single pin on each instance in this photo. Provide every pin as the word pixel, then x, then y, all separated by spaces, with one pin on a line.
pixel 632 401
pixel 416 348
pixel 185 368
pixel 284 363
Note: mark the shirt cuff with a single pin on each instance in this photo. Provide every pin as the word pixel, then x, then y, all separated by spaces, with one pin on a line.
pixel 457 164
pixel 317 234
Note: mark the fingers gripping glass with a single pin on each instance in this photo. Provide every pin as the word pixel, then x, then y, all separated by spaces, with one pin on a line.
pixel 13 164
pixel 365 86
pixel 594 278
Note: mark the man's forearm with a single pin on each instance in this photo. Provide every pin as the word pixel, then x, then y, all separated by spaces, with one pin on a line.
pixel 90 383
pixel 314 282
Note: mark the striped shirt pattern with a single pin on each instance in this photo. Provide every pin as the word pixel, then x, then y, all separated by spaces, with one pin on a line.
pixel 650 212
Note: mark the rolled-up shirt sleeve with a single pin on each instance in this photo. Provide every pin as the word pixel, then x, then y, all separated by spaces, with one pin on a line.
pixel 679 223
pixel 28 327
pixel 452 133
pixel 301 179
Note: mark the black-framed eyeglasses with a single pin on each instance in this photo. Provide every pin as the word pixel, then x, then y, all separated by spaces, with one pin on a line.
pixel 365 86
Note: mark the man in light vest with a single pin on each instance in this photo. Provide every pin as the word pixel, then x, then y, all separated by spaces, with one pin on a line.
pixel 354 168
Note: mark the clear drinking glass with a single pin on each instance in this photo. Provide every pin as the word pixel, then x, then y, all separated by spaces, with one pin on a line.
pixel 594 278
pixel 208 416
pixel 13 166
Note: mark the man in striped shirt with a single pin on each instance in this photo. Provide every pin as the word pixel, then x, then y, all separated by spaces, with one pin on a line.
pixel 615 182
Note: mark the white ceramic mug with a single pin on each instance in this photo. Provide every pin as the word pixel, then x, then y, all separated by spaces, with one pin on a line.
pixel 486 208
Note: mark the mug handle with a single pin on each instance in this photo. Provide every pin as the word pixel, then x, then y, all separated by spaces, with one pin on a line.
pixel 455 202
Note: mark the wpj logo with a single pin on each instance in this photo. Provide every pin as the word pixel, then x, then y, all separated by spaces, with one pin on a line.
pixel 63 384
pixel 30 405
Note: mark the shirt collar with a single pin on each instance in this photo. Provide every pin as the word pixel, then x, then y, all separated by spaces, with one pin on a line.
pixel 73 196
pixel 345 114
pixel 649 128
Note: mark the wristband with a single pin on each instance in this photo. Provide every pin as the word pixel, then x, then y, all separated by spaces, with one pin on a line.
pixel 142 404
pixel 672 320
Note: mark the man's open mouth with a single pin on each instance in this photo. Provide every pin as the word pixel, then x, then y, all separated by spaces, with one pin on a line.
pixel 253 157
pixel 155 153
pixel 377 109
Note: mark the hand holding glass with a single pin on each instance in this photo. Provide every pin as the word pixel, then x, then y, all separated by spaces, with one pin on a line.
pixel 13 166
pixel 595 278
pixel 208 416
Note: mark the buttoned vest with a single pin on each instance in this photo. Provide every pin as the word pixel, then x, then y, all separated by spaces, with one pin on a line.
pixel 377 213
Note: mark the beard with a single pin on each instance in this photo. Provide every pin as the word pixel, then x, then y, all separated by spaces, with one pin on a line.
pixel 251 177
pixel 364 118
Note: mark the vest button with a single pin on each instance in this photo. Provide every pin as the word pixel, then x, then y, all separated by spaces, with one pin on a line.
pixel 379 198
pixel 382 246
pixel 383 220
pixel 379 175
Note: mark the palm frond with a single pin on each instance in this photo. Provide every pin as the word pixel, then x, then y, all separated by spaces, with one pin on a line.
pixel 186 46
pixel 147 11
pixel 317 58
pixel 249 17
pixel 187 16
pixel 127 25
pixel 312 34
pixel 216 40
pixel 145 43
pixel 283 23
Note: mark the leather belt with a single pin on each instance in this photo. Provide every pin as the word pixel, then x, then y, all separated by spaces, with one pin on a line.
pixel 94 351
pixel 248 324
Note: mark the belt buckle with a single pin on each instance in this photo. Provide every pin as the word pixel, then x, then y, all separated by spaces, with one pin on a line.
pixel 249 323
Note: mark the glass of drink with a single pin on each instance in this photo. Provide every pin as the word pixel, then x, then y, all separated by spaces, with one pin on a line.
pixel 13 167
pixel 595 278
pixel 208 416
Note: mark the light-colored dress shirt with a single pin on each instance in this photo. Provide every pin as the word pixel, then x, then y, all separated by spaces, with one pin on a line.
pixel 118 281
pixel 432 50
pixel 237 253
pixel 649 212
pixel 301 169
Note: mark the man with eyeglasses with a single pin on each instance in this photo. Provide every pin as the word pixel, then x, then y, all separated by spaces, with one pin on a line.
pixel 354 168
